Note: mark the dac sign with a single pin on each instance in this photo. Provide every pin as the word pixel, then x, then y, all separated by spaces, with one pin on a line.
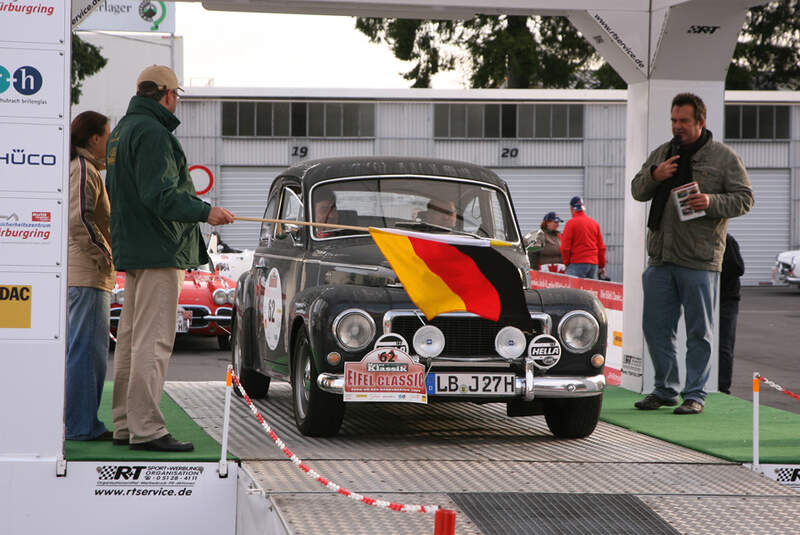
pixel 15 307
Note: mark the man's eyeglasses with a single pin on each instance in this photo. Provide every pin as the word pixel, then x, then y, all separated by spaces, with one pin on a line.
pixel 175 92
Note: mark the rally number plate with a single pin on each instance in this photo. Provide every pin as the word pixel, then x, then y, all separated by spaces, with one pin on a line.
pixel 183 324
pixel 470 384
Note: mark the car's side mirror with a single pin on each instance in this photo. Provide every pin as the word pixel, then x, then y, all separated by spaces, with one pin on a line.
pixel 293 231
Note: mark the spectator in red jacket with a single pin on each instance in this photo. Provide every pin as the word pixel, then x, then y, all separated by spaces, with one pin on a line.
pixel 582 247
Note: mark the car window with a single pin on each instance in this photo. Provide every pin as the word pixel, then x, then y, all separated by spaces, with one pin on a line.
pixel 412 203
pixel 292 206
pixel 269 213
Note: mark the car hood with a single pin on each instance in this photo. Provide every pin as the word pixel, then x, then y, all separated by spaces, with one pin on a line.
pixel 789 257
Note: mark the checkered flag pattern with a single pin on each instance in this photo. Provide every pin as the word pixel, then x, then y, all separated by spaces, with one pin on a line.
pixel 106 472
pixel 784 475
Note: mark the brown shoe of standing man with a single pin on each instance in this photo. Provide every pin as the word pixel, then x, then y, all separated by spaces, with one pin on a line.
pixel 155 236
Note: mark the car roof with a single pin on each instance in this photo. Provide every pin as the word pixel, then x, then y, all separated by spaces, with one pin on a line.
pixel 310 172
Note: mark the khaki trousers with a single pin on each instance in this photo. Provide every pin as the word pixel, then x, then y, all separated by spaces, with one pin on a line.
pixel 145 337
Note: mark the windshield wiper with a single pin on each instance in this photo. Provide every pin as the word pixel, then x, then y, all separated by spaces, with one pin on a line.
pixel 423 225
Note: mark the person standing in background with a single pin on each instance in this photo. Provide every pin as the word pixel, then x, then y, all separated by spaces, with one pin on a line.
pixel 90 278
pixel 582 247
pixel 729 297
pixel 544 248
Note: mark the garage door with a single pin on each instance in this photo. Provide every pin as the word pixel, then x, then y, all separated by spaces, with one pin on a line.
pixel 764 232
pixel 243 191
pixel 538 191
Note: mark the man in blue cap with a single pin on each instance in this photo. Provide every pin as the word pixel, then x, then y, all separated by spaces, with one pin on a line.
pixel 582 247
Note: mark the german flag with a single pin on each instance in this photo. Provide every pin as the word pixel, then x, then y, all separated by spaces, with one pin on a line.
pixel 446 273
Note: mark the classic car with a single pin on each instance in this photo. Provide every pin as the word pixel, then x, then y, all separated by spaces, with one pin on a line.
pixel 317 298
pixel 787 268
pixel 204 305
pixel 227 261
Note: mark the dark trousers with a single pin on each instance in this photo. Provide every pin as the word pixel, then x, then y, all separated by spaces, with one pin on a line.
pixel 728 313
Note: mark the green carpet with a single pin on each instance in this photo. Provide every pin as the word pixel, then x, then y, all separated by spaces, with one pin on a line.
pixel 180 425
pixel 724 429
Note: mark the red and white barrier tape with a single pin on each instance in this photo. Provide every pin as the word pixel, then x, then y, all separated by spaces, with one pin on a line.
pixel 321 480
pixel 778 387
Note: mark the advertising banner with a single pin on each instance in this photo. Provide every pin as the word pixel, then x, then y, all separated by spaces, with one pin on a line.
pixel 27 232
pixel 610 294
pixel 132 16
pixel 29 306
pixel 31 83
pixel 31 159
pixel 18 18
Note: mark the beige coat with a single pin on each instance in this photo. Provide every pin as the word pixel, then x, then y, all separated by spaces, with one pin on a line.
pixel 90 261
pixel 697 243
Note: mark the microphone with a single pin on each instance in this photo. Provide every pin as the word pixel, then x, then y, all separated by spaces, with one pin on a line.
pixel 675 145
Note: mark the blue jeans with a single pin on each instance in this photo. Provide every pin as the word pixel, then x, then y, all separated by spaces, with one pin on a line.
pixel 585 271
pixel 87 358
pixel 667 288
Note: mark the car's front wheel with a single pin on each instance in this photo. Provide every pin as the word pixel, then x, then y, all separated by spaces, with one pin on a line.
pixel 255 384
pixel 572 417
pixel 317 413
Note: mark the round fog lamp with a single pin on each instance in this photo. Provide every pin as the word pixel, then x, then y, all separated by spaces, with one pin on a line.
pixel 578 331
pixel 509 343
pixel 598 360
pixel 428 341
pixel 220 296
pixel 354 329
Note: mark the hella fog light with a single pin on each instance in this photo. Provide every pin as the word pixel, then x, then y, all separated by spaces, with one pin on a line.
pixel 578 331
pixel 509 343
pixel 220 296
pixel 354 329
pixel 428 341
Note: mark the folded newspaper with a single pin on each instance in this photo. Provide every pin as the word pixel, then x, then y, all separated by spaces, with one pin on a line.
pixel 681 197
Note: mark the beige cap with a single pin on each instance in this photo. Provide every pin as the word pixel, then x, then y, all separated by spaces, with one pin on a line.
pixel 160 75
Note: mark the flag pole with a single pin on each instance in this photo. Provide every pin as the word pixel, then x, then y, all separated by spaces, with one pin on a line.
pixel 302 223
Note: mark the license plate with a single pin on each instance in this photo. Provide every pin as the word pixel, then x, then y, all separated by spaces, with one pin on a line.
pixel 470 384
pixel 183 324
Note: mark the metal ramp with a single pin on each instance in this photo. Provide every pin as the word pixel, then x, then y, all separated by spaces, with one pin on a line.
pixel 427 454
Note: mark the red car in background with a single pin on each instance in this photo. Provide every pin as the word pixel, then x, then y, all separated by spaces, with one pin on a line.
pixel 204 305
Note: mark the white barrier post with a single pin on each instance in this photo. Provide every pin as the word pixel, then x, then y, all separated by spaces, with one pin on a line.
pixel 223 459
pixel 756 388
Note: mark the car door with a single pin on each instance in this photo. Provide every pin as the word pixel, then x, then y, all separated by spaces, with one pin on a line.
pixel 278 263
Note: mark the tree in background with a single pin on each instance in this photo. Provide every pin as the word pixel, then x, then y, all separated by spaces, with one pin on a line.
pixel 548 52
pixel 767 55
pixel 86 60
pixel 497 51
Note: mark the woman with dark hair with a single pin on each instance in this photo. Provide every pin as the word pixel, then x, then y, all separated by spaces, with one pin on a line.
pixel 90 277
pixel 544 245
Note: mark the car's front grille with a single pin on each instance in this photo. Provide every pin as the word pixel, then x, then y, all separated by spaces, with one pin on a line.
pixel 199 314
pixel 466 335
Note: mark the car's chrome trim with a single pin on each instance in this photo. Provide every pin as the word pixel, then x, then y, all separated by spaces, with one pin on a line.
pixel 391 314
pixel 542 386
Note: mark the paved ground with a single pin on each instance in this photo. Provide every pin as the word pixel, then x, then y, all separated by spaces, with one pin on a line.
pixel 768 341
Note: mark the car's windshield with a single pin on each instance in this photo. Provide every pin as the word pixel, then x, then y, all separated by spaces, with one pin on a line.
pixel 412 203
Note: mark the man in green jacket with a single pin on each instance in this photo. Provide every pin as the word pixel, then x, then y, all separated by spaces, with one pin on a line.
pixel 685 246
pixel 155 236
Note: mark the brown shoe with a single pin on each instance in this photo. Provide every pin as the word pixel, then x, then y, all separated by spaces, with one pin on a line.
pixel 689 406
pixel 653 402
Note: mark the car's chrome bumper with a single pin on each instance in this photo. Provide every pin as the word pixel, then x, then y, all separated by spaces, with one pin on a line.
pixel 540 387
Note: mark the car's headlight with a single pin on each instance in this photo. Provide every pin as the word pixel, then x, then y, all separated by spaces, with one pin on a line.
pixel 220 296
pixel 118 296
pixel 578 331
pixel 230 295
pixel 353 329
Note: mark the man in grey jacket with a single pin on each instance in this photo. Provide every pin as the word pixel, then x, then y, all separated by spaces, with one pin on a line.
pixel 685 256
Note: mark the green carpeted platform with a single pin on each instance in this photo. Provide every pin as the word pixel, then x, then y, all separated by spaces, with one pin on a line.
pixel 724 429
pixel 180 425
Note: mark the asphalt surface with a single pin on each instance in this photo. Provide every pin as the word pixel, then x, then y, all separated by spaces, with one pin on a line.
pixel 767 342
